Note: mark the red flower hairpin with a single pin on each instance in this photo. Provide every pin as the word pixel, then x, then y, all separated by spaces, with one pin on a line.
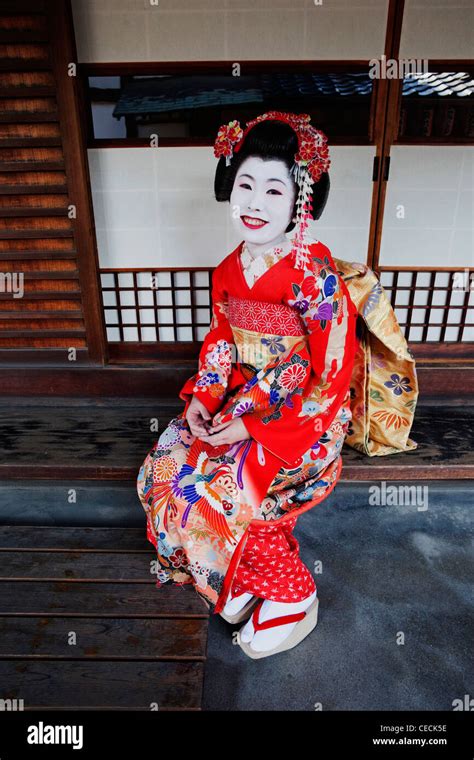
pixel 313 153
pixel 227 136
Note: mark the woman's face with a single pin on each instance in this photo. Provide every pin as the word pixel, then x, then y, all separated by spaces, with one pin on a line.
pixel 262 200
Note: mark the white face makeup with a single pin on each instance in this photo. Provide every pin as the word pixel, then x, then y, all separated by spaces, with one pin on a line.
pixel 261 202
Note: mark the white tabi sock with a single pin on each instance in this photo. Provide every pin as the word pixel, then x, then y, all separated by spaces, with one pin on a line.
pixel 270 638
pixel 236 603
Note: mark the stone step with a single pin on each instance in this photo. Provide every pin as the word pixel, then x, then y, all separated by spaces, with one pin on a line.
pixel 111 503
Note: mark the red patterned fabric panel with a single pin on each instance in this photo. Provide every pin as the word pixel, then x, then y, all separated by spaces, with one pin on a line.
pixel 264 317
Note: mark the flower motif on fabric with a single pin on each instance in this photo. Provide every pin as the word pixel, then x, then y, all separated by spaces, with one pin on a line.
pixel 179 559
pixel 219 354
pixel 318 297
pixel 164 468
pixel 169 437
pixel 208 381
pixel 215 369
pixel 274 344
pixel 398 385
pixel 243 407
pixel 292 377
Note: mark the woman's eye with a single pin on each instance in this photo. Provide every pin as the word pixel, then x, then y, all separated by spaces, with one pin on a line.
pixel 244 184
pixel 274 191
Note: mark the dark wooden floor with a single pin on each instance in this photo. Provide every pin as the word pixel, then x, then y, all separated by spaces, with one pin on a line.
pixel 109 440
pixel 83 626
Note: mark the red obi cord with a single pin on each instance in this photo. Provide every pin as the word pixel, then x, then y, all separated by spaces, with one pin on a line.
pixel 270 566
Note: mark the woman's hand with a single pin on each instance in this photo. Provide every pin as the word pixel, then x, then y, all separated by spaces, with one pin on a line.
pixel 226 433
pixel 197 417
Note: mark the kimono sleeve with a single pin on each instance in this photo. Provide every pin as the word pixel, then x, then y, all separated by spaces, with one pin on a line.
pixel 214 374
pixel 289 427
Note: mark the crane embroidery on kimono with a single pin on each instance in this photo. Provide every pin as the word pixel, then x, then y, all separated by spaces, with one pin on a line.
pixel 202 493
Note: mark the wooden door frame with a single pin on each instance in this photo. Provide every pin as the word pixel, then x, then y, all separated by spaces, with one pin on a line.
pixel 384 121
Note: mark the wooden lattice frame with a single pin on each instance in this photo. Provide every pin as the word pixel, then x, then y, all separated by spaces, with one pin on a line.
pixel 186 348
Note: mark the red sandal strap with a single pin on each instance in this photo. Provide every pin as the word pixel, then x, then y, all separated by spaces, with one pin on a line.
pixel 273 622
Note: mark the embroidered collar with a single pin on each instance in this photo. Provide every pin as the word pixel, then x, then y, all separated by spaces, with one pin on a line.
pixel 254 266
pixel 274 251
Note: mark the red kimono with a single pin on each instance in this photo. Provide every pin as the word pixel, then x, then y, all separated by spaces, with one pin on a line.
pixel 279 354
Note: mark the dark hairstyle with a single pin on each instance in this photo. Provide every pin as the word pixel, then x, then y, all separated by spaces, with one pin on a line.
pixel 269 140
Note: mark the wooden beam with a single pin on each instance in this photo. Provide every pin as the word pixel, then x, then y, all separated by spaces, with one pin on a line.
pixel 454 382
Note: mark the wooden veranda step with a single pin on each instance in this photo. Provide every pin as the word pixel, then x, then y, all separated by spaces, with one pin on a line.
pixel 83 625
pixel 108 440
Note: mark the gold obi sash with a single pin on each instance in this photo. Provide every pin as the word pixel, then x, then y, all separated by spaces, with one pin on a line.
pixel 384 386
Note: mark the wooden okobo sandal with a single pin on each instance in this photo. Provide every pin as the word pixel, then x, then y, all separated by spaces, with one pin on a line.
pixel 244 613
pixel 305 622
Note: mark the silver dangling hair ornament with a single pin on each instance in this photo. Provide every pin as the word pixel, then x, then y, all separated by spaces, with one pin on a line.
pixel 304 207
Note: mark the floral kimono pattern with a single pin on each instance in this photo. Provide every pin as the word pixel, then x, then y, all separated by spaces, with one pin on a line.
pixel 280 355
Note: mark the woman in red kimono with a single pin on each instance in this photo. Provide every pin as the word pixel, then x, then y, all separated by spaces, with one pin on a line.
pixel 259 441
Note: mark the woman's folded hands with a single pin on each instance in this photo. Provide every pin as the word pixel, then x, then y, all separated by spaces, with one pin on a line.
pixel 226 433
pixel 197 417
pixel 202 426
